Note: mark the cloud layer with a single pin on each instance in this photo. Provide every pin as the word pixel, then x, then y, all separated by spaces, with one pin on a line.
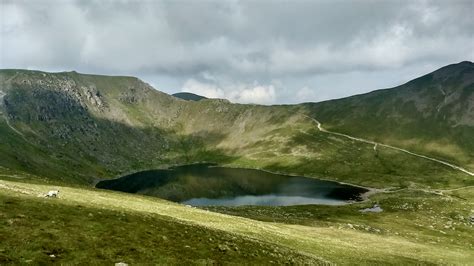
pixel 246 51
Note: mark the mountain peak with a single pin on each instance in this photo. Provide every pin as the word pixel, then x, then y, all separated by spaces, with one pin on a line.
pixel 467 63
pixel 456 68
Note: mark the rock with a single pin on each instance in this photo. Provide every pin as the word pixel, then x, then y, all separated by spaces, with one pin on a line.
pixel 121 264
pixel 223 248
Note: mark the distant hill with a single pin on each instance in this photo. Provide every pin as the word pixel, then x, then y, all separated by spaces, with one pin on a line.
pixel 188 96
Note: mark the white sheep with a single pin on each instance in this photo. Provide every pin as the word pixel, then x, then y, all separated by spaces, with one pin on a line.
pixel 53 193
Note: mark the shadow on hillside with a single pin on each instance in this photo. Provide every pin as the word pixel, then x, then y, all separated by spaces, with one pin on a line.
pixel 71 144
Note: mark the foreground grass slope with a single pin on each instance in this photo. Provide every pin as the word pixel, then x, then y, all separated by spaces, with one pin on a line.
pixel 101 216
pixel 42 232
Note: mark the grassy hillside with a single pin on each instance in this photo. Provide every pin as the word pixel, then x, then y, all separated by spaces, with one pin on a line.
pixel 111 227
pixel 76 128
pixel 433 114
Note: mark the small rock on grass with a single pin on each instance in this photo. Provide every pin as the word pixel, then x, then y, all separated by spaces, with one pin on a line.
pixel 223 247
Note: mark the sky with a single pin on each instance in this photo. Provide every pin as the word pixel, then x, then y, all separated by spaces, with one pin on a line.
pixel 261 51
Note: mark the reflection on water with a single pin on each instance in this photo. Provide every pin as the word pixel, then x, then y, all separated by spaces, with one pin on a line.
pixel 204 185
pixel 262 200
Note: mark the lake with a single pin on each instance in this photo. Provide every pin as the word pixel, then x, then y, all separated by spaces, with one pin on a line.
pixel 211 185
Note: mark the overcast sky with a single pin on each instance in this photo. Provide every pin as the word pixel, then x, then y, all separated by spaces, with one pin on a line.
pixel 246 51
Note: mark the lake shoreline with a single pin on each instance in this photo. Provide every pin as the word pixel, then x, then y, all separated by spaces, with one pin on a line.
pixel 363 197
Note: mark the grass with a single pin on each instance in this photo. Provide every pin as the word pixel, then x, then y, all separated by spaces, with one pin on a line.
pixel 69 140
pixel 337 158
pixel 316 242
pixel 40 231
pixel 416 215
pixel 417 115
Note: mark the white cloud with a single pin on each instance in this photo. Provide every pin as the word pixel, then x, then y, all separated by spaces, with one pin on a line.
pixel 239 93
pixel 306 94
pixel 203 89
pixel 427 14
pixel 12 18
pixel 239 42
pixel 388 49
pixel 260 94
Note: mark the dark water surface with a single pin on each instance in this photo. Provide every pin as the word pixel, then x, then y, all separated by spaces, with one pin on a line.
pixel 205 184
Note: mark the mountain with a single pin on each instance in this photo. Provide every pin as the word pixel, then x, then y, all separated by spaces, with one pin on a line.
pixel 433 114
pixel 188 96
pixel 75 128
pixel 410 146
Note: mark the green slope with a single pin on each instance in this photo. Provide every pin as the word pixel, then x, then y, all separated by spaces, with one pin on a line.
pixel 433 114
pixel 76 128
pixel 86 225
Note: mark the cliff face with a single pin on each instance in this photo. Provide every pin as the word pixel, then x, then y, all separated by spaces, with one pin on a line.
pixel 75 120
pixel 116 124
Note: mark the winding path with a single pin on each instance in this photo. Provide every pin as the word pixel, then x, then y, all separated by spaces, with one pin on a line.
pixel 319 125
pixel 12 128
pixel 2 95
pixel 7 121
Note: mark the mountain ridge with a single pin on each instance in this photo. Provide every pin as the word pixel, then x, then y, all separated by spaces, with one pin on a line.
pixel 447 68
pixel 466 64
pixel 88 126
pixel 435 109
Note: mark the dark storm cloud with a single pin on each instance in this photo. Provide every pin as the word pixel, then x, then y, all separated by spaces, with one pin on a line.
pixel 248 51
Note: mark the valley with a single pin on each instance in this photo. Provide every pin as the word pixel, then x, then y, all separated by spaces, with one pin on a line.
pixel 411 145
